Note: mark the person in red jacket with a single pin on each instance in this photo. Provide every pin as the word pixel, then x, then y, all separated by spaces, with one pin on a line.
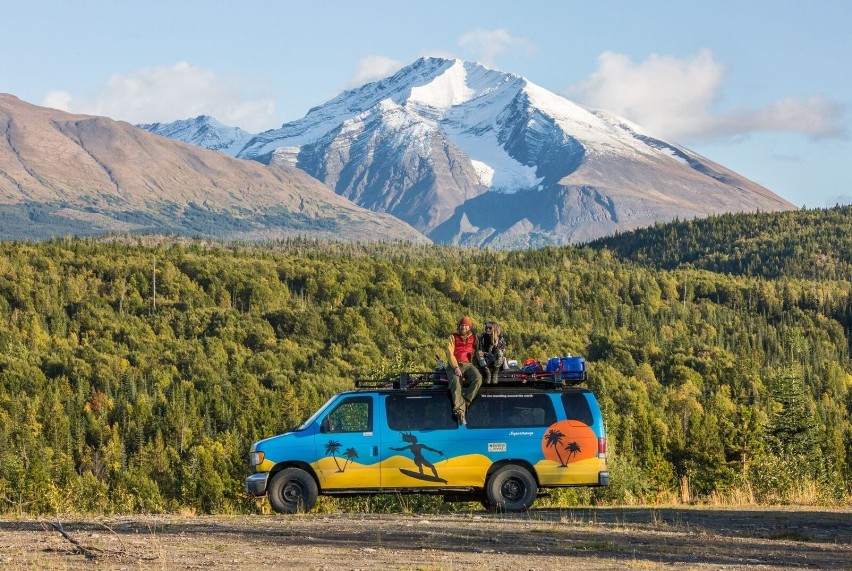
pixel 464 377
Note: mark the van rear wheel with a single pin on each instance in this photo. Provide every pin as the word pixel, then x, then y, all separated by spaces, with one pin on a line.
pixel 511 489
pixel 292 490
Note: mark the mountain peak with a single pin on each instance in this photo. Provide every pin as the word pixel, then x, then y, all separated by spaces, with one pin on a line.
pixel 202 131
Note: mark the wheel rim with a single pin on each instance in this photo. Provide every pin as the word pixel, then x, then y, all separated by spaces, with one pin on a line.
pixel 513 489
pixel 292 492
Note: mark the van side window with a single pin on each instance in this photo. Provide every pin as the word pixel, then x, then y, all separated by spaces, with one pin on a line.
pixel 352 415
pixel 577 408
pixel 419 412
pixel 511 411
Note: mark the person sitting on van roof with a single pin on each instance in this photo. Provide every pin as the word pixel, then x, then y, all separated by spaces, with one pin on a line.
pixel 491 354
pixel 461 348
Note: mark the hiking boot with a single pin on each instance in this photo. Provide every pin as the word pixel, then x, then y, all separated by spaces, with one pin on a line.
pixel 460 416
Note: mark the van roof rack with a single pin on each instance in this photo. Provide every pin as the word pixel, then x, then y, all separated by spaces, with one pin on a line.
pixel 505 379
pixel 404 380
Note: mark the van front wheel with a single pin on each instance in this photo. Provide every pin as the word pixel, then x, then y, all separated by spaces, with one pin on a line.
pixel 510 489
pixel 292 490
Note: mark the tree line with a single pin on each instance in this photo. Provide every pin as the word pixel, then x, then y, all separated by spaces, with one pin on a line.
pixel 135 373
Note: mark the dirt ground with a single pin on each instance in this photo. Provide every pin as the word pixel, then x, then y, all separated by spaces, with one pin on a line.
pixel 599 538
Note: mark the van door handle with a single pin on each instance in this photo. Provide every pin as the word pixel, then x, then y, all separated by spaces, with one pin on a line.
pixel 375 450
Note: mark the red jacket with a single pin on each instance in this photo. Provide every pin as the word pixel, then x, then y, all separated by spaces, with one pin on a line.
pixel 461 349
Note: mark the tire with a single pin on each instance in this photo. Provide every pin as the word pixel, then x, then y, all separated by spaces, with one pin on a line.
pixel 510 489
pixel 292 490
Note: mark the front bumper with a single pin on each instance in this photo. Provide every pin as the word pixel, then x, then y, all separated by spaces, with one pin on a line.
pixel 256 484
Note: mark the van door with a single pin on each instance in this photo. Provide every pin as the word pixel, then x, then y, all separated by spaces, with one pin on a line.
pixel 347 445
pixel 421 442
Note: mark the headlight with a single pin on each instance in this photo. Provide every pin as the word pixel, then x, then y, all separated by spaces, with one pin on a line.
pixel 255 459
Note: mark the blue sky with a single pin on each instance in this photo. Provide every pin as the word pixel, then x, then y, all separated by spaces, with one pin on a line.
pixel 762 87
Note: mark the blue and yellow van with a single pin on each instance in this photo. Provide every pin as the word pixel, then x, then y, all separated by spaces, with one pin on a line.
pixel 517 441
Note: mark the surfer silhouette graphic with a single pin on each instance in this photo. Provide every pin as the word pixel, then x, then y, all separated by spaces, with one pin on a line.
pixel 419 460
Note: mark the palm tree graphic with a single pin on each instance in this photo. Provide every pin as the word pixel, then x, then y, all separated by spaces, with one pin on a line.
pixel 350 454
pixel 331 448
pixel 572 449
pixel 554 439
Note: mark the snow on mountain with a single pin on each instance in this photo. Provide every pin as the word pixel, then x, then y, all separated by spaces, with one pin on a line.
pixel 459 98
pixel 470 103
pixel 203 131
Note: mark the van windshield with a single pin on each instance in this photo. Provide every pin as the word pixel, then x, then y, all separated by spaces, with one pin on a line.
pixel 314 416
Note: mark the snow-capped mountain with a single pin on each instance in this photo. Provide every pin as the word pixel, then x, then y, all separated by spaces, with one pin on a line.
pixel 474 156
pixel 203 131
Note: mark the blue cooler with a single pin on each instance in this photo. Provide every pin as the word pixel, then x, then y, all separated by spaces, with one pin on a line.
pixel 569 368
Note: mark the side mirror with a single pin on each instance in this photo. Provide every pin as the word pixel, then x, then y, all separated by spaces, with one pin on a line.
pixel 325 425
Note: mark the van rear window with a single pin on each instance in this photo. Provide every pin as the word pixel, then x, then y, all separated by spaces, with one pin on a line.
pixel 577 408
pixel 511 411
pixel 419 412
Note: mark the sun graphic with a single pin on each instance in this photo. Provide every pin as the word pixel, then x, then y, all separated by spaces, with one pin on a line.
pixel 568 441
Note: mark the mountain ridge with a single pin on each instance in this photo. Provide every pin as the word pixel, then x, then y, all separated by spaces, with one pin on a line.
pixel 440 142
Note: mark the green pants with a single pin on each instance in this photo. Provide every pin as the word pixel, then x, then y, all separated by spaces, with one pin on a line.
pixel 471 379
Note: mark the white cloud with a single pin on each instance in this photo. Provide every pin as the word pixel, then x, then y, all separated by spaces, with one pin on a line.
pixel 373 68
pixel 486 45
pixel 168 93
pixel 815 116
pixel 676 98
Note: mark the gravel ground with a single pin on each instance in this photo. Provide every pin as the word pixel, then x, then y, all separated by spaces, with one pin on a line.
pixel 597 538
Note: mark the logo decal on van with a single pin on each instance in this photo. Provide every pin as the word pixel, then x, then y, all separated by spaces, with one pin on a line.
pixel 419 460
pixel 562 442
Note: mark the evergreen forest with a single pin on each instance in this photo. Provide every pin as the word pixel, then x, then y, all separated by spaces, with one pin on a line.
pixel 136 372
